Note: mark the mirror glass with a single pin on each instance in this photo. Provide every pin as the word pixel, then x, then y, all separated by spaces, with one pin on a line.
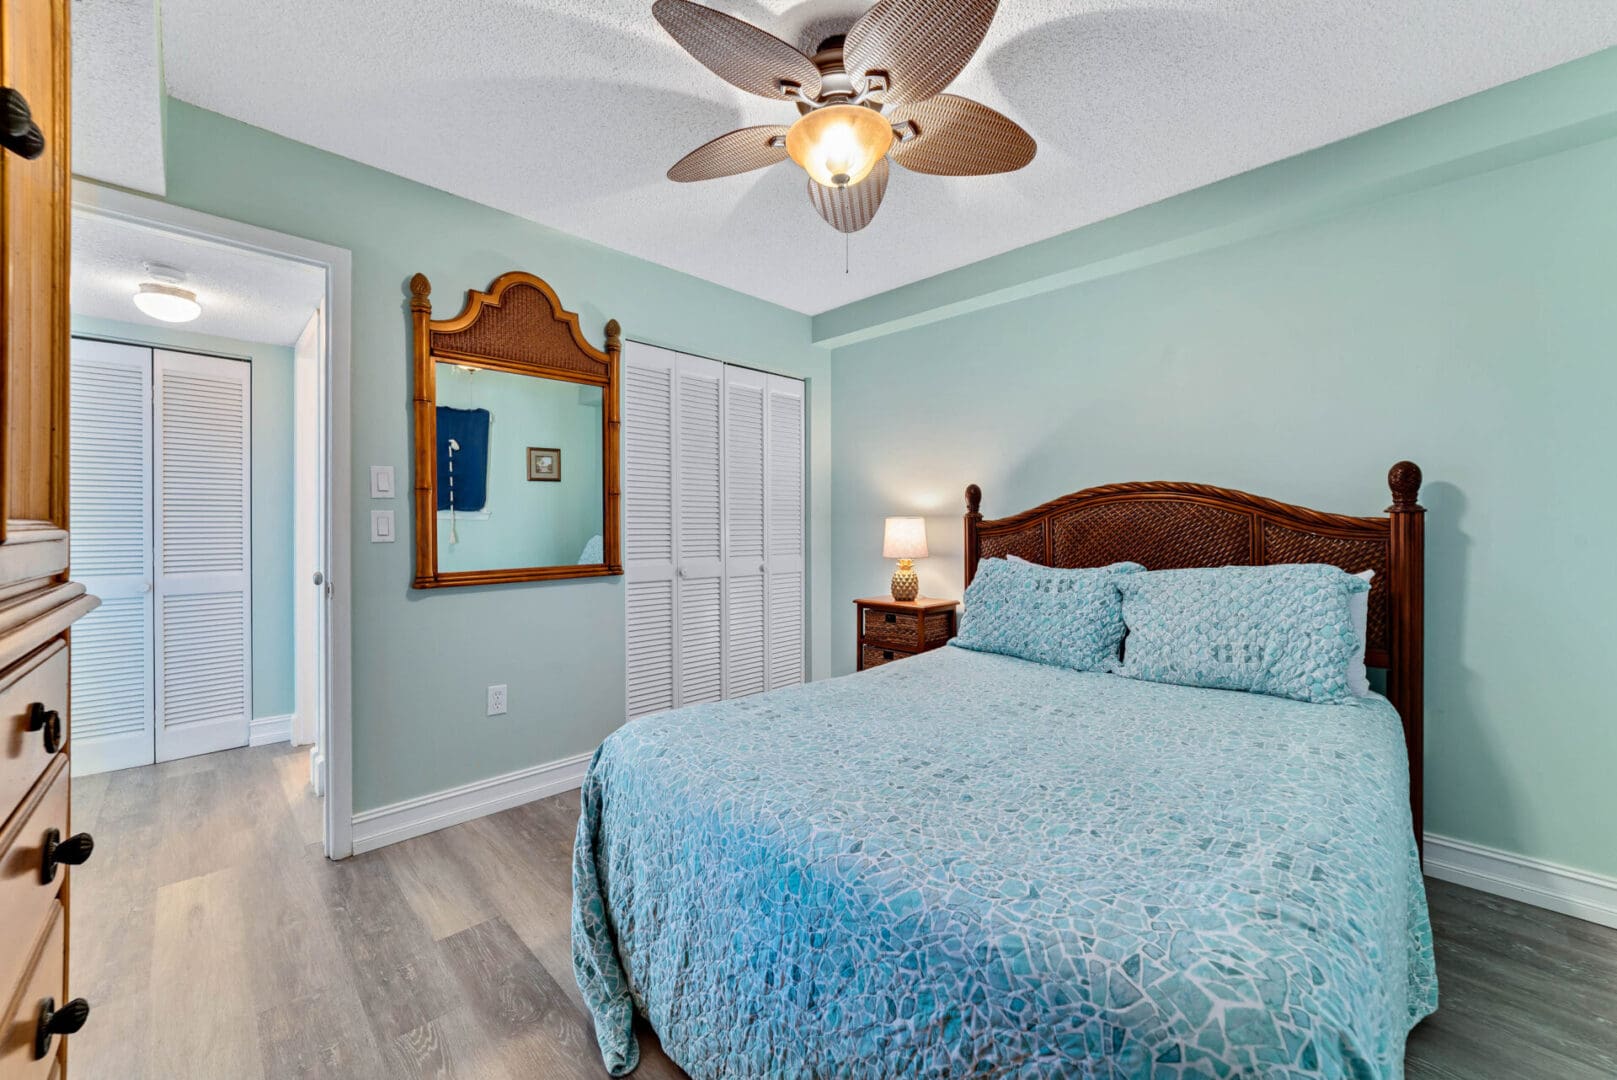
pixel 519 470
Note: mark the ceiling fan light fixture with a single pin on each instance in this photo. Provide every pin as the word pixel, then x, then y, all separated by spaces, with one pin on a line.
pixel 170 303
pixel 838 145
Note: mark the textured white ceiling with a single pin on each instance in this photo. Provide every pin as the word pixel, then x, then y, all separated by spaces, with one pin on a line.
pixel 568 112
pixel 244 295
pixel 118 94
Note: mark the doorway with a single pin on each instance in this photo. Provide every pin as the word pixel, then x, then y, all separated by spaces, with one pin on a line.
pixel 211 477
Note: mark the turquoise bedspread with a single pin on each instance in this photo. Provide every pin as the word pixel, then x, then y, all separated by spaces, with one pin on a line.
pixel 964 864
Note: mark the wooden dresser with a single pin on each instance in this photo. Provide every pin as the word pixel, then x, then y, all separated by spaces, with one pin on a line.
pixel 893 629
pixel 38 602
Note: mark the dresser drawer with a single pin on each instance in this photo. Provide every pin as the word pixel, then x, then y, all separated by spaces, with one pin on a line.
pixel 32 691
pixel 45 978
pixel 25 896
pixel 902 629
pixel 875 657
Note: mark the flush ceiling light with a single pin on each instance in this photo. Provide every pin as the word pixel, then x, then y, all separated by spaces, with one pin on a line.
pixel 162 298
pixel 871 94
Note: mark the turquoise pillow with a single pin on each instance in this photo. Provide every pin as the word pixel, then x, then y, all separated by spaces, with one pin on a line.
pixel 1282 630
pixel 1071 618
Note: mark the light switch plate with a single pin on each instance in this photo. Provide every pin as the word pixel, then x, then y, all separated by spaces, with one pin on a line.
pixel 496 700
pixel 382 527
pixel 381 481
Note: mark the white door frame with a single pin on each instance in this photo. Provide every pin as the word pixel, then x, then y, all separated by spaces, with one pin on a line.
pixel 307 603
pixel 336 263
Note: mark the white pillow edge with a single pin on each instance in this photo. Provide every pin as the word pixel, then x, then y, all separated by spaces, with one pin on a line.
pixel 1358 678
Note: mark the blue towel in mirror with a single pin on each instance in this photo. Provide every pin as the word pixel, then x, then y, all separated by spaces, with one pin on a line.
pixel 469 428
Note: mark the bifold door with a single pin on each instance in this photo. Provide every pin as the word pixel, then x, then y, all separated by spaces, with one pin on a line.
pixel 713 514
pixel 110 492
pixel 203 406
pixel 160 503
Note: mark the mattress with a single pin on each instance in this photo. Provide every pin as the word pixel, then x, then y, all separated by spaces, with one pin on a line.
pixel 964 864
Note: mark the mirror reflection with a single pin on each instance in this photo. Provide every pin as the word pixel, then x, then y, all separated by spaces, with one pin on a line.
pixel 519 470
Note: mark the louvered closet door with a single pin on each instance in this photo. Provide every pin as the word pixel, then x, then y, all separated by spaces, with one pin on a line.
pixel 744 528
pixel 110 469
pixel 785 577
pixel 202 406
pixel 698 530
pixel 648 526
pixel 713 529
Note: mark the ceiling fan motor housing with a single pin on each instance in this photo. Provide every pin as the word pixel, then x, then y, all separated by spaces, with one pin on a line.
pixel 904 53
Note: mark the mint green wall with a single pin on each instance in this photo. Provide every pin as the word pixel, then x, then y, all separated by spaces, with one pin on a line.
pixel 421 660
pixel 1463 316
pixel 273 667
pixel 528 522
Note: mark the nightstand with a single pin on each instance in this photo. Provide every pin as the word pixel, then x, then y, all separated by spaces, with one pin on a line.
pixel 893 629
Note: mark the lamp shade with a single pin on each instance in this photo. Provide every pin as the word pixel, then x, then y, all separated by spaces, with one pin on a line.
pixel 905 538
pixel 838 145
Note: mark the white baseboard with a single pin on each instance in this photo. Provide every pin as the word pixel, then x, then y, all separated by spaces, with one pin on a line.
pixel 441 809
pixel 269 729
pixel 1578 893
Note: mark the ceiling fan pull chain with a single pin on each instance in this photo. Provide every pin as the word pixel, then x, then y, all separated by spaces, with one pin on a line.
pixel 845 252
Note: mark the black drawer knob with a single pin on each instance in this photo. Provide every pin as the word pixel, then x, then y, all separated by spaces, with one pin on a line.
pixel 58 852
pixel 53 1021
pixel 887 654
pixel 18 132
pixel 890 618
pixel 49 722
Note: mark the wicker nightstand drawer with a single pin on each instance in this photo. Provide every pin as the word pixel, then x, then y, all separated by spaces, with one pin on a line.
pixel 893 629
pixel 871 656
pixel 902 629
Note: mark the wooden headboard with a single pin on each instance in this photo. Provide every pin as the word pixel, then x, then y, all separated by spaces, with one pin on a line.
pixel 1165 525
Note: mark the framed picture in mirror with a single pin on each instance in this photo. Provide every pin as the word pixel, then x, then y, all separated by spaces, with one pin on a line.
pixel 544 463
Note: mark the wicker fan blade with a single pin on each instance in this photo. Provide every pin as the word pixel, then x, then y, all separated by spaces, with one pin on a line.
pixel 733 152
pixel 955 136
pixel 850 209
pixel 921 45
pixel 737 52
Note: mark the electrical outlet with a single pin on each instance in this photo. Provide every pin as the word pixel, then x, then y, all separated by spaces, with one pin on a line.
pixel 496 700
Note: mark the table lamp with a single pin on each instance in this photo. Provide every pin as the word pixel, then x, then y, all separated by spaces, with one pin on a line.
pixel 905 539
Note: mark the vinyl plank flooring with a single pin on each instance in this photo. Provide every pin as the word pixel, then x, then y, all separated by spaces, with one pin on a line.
pixel 207 1025
pixel 435 883
pixel 292 770
pixel 532 896
pixel 445 1048
pixel 519 1006
pixel 323 1036
pixel 215 940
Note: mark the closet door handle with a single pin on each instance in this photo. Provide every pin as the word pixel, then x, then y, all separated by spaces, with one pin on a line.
pixel 49 723
pixel 18 132
pixel 682 571
pixel 53 1021
pixel 58 852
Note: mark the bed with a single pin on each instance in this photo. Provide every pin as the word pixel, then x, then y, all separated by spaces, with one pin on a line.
pixel 966 864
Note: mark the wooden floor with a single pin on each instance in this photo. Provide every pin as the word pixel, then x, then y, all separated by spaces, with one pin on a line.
pixel 213 940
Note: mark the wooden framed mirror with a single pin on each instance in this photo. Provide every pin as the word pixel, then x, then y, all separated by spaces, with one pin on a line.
pixel 516 439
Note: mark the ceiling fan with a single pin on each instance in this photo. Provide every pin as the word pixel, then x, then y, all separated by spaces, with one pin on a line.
pixel 873 93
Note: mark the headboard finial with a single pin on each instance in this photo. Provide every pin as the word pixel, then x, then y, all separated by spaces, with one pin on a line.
pixel 1404 480
pixel 614 332
pixel 974 499
pixel 420 289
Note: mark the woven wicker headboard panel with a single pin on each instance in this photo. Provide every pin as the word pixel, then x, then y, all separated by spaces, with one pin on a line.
pixel 1165 525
